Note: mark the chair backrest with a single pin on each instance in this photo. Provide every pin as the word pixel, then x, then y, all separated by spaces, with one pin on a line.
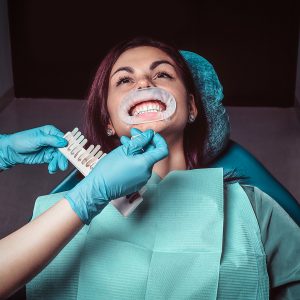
pixel 234 157
pixel 237 157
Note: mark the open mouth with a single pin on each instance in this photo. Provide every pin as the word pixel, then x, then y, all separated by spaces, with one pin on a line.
pixel 146 106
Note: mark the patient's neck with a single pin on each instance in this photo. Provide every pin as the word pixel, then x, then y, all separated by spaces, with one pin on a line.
pixel 174 161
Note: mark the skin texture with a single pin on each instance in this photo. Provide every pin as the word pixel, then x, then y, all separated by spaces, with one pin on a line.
pixel 132 71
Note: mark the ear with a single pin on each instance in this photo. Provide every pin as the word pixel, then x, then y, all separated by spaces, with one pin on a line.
pixel 192 105
pixel 110 128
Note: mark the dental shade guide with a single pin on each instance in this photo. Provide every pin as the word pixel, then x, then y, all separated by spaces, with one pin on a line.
pixel 84 160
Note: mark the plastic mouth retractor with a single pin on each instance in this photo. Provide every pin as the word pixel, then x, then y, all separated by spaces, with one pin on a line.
pixel 141 95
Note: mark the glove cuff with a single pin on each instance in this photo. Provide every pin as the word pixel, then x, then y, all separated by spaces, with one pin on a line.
pixel 83 206
pixel 81 213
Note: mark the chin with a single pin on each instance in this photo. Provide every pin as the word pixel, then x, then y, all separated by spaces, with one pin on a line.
pixel 157 126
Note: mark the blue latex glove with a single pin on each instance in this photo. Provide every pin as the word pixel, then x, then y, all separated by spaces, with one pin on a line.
pixel 136 132
pixel 119 173
pixel 33 146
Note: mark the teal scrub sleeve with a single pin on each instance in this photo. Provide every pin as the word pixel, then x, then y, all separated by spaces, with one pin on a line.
pixel 281 239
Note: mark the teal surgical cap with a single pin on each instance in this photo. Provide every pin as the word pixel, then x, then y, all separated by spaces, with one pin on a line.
pixel 211 92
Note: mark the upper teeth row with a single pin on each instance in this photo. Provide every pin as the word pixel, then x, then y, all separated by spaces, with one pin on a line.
pixel 146 107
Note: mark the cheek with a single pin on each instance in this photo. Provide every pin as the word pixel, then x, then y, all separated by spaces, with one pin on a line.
pixel 110 108
pixel 182 104
pixel 183 114
pixel 112 105
pixel 119 126
pixel 111 115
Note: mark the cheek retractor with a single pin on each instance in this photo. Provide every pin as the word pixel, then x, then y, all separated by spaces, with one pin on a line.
pixel 84 160
pixel 147 105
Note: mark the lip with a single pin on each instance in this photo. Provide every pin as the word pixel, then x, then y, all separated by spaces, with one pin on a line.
pixel 148 115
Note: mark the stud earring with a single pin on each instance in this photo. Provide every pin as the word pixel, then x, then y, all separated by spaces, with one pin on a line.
pixel 191 118
pixel 109 131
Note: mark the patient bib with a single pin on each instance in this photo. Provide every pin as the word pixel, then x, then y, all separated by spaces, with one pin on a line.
pixel 175 245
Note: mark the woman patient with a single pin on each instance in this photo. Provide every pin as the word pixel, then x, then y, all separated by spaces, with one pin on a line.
pixel 197 234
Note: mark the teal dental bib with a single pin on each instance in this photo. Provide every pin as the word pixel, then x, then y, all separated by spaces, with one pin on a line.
pixel 174 246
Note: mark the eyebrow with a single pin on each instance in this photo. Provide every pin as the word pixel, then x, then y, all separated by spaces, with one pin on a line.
pixel 154 65
pixel 159 62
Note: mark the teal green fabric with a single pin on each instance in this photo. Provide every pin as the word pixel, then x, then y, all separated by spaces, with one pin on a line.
pixel 211 92
pixel 174 246
pixel 243 273
pixel 281 239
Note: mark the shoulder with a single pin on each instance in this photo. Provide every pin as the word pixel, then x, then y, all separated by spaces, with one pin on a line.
pixel 280 236
pixel 266 208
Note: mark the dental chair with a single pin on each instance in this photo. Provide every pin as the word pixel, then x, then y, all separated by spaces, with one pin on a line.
pixel 225 152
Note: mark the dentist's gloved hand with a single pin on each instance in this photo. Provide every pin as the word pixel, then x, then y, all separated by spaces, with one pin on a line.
pixel 33 146
pixel 121 172
pixel 135 132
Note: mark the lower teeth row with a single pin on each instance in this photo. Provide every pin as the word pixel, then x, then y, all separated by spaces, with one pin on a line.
pixel 150 110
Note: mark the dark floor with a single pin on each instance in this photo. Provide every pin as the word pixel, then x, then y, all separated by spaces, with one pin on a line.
pixel 271 134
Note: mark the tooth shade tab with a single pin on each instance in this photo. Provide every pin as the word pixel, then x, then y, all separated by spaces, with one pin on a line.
pixel 147 105
pixel 86 159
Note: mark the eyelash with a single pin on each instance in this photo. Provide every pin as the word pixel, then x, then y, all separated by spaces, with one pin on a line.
pixel 122 79
pixel 164 73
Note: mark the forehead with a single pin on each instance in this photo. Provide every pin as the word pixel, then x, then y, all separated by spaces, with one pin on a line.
pixel 140 57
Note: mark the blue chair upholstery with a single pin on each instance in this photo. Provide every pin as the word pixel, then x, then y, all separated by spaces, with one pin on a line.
pixel 237 157
pixel 234 157
pixel 68 182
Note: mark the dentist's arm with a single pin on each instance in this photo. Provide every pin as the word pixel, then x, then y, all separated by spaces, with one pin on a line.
pixel 33 146
pixel 123 171
pixel 28 250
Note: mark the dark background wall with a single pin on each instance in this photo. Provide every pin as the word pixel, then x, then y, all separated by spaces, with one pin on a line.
pixel 6 78
pixel 56 45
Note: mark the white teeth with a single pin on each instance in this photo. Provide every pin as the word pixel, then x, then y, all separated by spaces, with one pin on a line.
pixel 147 107
pixel 144 111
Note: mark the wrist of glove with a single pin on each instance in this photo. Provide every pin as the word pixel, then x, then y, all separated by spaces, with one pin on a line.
pixel 123 171
pixel 86 201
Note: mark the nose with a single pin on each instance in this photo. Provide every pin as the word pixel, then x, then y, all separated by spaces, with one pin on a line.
pixel 144 83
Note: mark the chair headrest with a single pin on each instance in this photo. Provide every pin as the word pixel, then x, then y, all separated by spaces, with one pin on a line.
pixel 211 92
